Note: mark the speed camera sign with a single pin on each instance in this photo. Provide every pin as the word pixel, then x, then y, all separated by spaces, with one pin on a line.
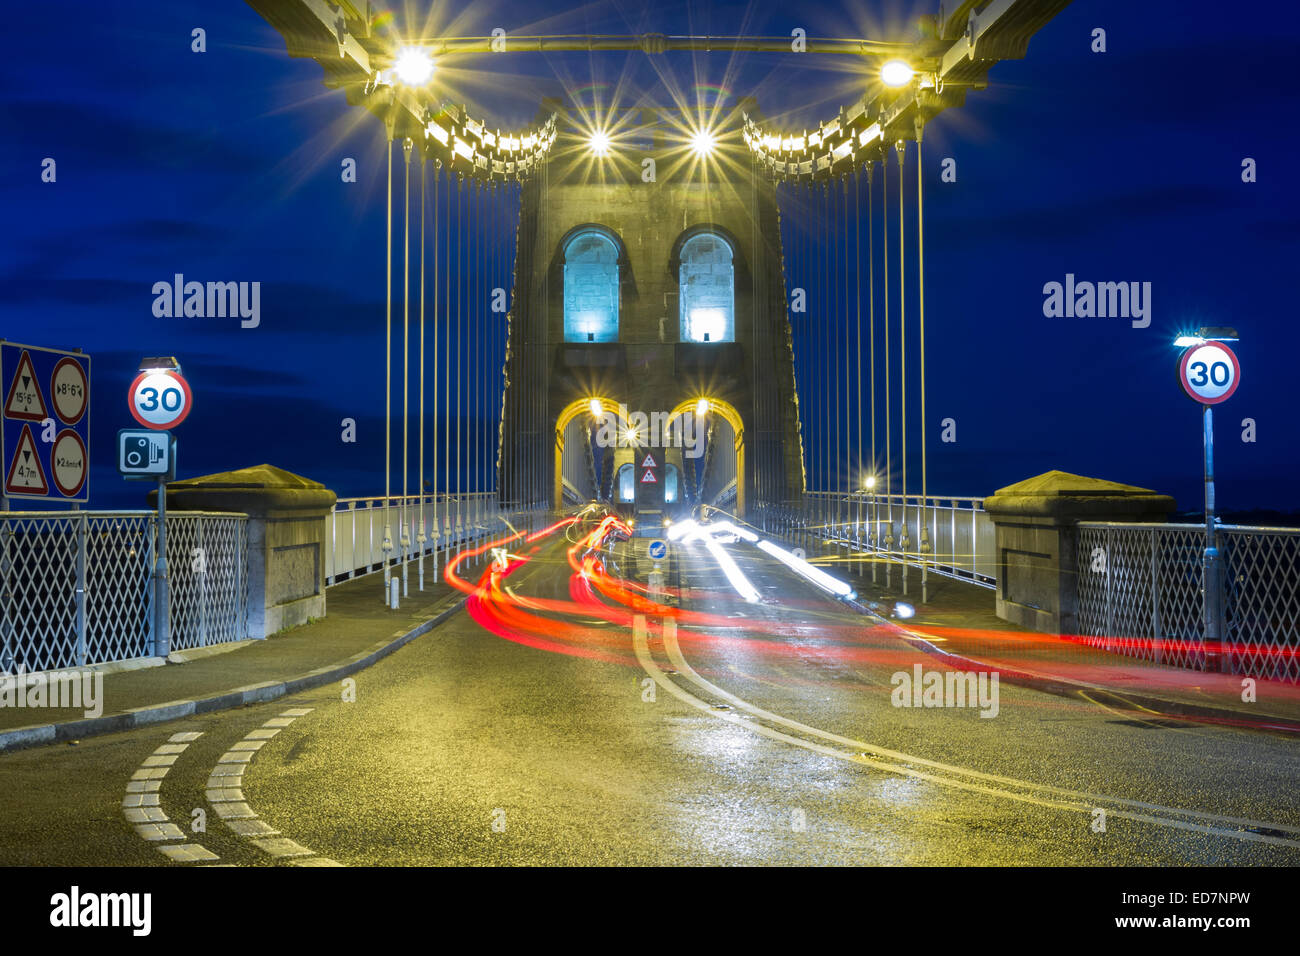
pixel 160 399
pixel 1209 372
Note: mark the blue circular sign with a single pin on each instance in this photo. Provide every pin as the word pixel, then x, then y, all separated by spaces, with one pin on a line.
pixel 658 549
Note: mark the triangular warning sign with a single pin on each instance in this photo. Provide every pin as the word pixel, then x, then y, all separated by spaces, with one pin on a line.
pixel 26 476
pixel 649 462
pixel 24 397
pixel 649 478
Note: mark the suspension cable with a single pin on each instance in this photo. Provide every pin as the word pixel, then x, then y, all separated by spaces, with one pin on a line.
pixel 920 268
pixel 460 333
pixel 857 298
pixel 889 361
pixel 419 480
pixel 448 518
pixel 823 419
pixel 437 528
pixel 802 198
pixel 387 544
pixel 846 466
pixel 473 355
pixel 856 480
pixel 901 148
pixel 873 534
pixel 836 264
pixel 404 538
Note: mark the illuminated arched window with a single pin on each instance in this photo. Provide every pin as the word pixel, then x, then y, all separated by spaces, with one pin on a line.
pixel 626 483
pixel 707 290
pixel 590 288
pixel 670 484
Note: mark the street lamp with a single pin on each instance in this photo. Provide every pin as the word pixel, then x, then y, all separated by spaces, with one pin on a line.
pixel 703 142
pixel 413 66
pixel 598 142
pixel 159 363
pixel 1215 333
pixel 896 73
pixel 597 409
pixel 702 407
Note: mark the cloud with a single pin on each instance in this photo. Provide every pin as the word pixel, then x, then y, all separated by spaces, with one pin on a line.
pixel 1083 215
pixel 99 141
pixel 23 291
pixel 54 253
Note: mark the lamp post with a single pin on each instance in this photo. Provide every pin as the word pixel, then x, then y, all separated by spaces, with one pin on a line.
pixel 1209 373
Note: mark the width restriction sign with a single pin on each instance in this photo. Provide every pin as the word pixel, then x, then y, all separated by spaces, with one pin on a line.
pixel 44 423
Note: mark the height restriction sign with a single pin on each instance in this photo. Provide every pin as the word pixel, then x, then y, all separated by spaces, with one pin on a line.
pixel 45 435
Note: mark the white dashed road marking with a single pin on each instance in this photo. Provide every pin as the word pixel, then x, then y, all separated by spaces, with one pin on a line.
pixel 225 793
pixel 140 804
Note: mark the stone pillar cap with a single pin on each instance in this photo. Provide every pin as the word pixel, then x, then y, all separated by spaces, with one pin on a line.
pixel 1060 494
pixel 259 490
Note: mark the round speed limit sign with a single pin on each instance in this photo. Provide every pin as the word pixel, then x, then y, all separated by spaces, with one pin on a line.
pixel 160 399
pixel 1209 372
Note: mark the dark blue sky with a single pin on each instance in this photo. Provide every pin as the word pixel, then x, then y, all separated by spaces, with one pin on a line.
pixel 225 166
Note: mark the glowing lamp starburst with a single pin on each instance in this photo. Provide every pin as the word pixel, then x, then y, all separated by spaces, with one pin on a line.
pixel 413 66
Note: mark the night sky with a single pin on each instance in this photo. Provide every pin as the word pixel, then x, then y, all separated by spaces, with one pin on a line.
pixel 225 165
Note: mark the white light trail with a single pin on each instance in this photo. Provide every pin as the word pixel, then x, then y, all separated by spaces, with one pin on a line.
pixel 816 575
pixel 681 528
pixel 728 528
pixel 733 573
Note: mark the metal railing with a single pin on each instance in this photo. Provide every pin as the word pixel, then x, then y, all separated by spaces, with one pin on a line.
pixel 76 587
pixel 885 530
pixel 1141 593
pixel 422 525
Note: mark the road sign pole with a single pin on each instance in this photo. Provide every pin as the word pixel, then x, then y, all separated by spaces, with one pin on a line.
pixel 1209 373
pixel 1211 598
pixel 162 623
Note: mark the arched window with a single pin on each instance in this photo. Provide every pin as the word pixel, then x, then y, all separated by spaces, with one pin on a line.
pixel 707 290
pixel 590 288
pixel 670 484
pixel 626 483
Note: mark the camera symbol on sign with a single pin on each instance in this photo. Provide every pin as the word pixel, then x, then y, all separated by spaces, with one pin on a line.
pixel 144 453
pixel 141 452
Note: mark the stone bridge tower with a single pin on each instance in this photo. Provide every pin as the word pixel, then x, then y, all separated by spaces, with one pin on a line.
pixel 648 279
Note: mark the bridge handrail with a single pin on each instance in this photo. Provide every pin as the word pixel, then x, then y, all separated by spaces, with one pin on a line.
pixel 421 525
pixel 876 529
pixel 1191 525
pixel 975 501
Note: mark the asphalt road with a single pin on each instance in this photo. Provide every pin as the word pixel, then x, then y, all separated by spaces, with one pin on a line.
pixel 767 735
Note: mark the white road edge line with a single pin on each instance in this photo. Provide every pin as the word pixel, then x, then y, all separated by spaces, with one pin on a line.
pixel 1087 806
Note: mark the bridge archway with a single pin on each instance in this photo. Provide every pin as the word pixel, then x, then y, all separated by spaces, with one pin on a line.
pixel 568 430
pixel 732 443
